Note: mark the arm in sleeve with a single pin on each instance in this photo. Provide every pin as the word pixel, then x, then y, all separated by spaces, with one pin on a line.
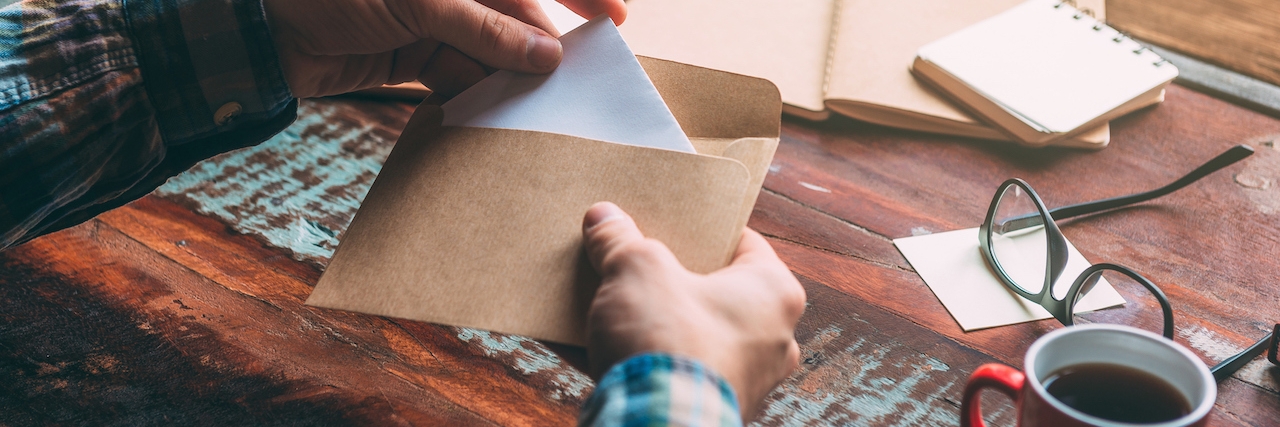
pixel 101 101
pixel 661 389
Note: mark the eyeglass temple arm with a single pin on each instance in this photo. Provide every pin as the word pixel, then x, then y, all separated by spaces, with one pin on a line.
pixel 1230 365
pixel 1223 160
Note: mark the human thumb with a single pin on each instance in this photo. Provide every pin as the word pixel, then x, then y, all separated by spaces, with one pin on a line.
pixel 605 228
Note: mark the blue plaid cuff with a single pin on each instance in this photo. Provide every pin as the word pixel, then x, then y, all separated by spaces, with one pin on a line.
pixel 209 66
pixel 656 389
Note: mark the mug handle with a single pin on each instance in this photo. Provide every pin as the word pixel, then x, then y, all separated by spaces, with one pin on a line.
pixel 994 375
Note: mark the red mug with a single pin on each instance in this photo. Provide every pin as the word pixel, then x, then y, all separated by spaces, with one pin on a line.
pixel 1087 345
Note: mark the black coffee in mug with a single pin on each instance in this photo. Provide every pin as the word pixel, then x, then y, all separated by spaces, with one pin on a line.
pixel 1117 393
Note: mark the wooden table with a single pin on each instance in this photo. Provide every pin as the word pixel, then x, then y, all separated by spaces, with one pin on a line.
pixel 185 307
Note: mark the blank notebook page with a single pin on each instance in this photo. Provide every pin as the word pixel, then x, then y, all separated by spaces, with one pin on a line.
pixel 1052 67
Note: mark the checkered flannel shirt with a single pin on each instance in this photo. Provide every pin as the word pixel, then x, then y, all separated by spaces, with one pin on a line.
pixel 659 390
pixel 101 101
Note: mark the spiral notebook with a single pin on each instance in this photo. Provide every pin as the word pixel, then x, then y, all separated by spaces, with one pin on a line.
pixel 1044 71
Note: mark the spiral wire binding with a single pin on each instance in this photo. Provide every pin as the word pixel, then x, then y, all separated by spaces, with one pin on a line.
pixel 1120 37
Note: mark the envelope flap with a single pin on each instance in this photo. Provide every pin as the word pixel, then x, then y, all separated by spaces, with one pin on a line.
pixel 716 104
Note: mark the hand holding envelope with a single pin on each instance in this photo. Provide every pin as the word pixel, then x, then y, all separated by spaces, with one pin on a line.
pixel 739 321
pixel 481 227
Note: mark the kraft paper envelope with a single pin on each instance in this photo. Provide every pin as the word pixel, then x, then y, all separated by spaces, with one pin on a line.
pixel 482 227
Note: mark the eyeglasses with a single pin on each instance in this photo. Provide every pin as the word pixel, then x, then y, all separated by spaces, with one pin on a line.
pixel 1021 242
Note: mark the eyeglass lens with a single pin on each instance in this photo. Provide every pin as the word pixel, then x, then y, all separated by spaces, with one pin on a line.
pixel 1019 242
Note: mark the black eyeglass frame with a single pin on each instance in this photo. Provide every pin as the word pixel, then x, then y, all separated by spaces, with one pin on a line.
pixel 1057 256
pixel 1064 309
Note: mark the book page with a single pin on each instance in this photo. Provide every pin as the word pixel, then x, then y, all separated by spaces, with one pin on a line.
pixel 878 40
pixel 783 41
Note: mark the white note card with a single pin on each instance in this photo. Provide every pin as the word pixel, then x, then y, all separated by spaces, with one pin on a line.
pixel 952 266
pixel 598 92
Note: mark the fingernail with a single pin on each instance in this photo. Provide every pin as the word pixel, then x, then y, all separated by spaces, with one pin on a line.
pixel 544 52
pixel 601 213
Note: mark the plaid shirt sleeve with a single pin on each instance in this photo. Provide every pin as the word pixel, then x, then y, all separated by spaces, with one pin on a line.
pixel 659 390
pixel 101 101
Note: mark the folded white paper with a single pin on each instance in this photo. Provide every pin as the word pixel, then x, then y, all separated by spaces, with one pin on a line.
pixel 952 266
pixel 598 92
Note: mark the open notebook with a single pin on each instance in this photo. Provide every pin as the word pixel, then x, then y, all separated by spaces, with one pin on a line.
pixel 851 57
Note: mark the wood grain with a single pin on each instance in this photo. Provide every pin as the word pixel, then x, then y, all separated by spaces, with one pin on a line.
pixel 1201 245
pixel 1238 35
pixel 170 330
pixel 186 306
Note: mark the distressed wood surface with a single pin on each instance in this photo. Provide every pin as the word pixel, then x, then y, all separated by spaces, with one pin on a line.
pixel 186 306
pixel 1238 35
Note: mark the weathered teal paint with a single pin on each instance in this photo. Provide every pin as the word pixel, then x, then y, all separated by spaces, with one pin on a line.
pixel 299 191
pixel 530 357
pixel 1217 348
pixel 863 383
